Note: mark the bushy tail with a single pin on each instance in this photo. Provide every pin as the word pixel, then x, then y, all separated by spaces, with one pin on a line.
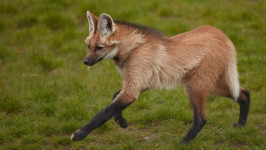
pixel 232 78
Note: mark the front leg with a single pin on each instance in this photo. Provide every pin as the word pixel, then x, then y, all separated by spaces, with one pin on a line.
pixel 119 119
pixel 118 104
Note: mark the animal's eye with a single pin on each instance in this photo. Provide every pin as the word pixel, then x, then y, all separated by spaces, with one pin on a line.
pixel 97 48
pixel 88 46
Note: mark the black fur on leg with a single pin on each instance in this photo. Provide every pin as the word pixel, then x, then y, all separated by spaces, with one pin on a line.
pixel 99 119
pixel 198 123
pixel 119 119
pixel 115 94
pixel 243 101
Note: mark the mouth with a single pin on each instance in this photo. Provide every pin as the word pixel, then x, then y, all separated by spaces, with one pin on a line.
pixel 92 63
pixel 99 59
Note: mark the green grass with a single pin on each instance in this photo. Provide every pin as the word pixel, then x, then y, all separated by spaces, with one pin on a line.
pixel 46 92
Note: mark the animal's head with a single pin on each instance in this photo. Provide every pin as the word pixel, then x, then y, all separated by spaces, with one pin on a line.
pixel 102 40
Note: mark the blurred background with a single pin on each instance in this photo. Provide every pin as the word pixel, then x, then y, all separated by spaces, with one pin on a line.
pixel 46 92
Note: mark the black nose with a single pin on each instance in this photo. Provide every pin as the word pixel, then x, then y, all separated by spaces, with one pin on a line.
pixel 86 61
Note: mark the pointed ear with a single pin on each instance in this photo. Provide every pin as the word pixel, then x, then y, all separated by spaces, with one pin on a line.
pixel 93 22
pixel 106 25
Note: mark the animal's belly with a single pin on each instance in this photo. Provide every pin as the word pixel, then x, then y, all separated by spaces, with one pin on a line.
pixel 160 82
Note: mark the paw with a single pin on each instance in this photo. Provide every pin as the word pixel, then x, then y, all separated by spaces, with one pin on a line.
pixel 78 135
pixel 238 125
pixel 122 122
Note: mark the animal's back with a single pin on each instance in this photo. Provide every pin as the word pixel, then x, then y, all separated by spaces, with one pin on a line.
pixel 206 54
pixel 165 64
pixel 203 43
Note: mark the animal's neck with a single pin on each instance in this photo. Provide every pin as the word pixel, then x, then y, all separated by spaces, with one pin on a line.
pixel 130 40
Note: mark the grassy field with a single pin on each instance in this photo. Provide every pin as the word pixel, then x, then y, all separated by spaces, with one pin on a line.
pixel 46 92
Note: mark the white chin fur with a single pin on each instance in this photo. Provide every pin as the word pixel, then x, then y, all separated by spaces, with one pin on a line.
pixel 112 54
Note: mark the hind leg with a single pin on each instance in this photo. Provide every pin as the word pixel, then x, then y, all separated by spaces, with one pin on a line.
pixel 197 100
pixel 243 100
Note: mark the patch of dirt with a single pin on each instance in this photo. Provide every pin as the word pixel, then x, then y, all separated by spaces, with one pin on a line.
pixel 149 137
pixel 220 142
pixel 187 122
pixel 262 127
pixel 67 147
pixel 240 144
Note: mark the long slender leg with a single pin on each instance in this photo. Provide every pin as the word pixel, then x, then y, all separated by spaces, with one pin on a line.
pixel 197 101
pixel 119 119
pixel 243 101
pixel 100 118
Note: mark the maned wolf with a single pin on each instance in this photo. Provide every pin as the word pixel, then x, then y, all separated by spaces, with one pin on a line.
pixel 203 60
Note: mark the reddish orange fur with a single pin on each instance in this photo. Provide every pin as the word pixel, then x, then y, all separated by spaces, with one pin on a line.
pixel 203 60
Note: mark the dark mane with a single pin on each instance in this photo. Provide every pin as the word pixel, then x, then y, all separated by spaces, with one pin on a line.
pixel 142 28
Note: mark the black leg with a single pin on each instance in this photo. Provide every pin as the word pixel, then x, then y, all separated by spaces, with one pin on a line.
pixel 99 119
pixel 198 123
pixel 119 119
pixel 243 101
